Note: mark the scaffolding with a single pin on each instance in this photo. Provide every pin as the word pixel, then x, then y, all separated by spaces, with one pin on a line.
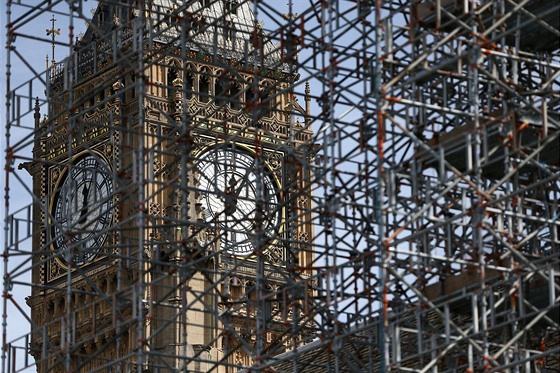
pixel 303 186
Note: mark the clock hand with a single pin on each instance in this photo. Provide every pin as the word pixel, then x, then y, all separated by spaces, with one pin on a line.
pixel 230 198
pixel 85 204
pixel 245 178
pixel 231 192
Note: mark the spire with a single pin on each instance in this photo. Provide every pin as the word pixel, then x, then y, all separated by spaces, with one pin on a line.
pixel 53 33
pixel 292 40
pixel 307 99
pixel 37 113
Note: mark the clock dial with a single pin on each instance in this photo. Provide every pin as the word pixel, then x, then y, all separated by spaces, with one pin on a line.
pixel 82 210
pixel 239 197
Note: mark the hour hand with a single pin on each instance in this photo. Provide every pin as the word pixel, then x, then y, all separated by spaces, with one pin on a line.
pixel 230 197
pixel 234 190
pixel 85 205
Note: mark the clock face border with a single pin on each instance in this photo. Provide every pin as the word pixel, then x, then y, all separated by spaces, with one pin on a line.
pixel 107 209
pixel 247 150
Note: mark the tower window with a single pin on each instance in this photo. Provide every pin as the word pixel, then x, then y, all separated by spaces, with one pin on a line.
pixel 267 101
pixel 231 6
pixel 189 85
pixel 236 95
pixel 171 76
pixel 204 88
pixel 133 85
pixel 250 97
pixel 229 30
pixel 169 18
pixel 198 23
pixel 260 99
pixel 222 91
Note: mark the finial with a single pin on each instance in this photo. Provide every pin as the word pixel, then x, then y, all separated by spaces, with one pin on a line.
pixel 37 113
pixel 307 98
pixel 117 86
pixel 292 40
pixel 290 16
pixel 53 32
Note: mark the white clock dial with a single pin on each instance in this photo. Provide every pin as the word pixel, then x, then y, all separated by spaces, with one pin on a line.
pixel 82 210
pixel 240 199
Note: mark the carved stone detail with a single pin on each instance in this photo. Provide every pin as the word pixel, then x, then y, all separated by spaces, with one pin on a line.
pixel 275 255
pixel 302 201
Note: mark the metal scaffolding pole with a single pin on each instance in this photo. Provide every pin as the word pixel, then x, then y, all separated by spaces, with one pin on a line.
pixel 243 185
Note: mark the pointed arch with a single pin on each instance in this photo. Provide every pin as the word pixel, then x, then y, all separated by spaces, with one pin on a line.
pixel 222 89
pixel 204 85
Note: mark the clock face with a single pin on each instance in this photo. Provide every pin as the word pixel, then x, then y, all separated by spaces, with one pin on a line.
pixel 240 199
pixel 82 210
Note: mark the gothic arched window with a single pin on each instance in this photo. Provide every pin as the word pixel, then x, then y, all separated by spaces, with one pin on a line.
pixel 222 91
pixel 267 99
pixel 229 30
pixel 236 95
pixel 171 76
pixel 231 6
pixel 261 99
pixel 189 85
pixel 204 87
pixel 250 96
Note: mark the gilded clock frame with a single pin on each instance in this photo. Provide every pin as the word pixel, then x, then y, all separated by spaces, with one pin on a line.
pixel 60 174
pixel 276 174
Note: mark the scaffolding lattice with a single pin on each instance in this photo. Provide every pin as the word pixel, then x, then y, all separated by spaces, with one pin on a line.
pixel 224 185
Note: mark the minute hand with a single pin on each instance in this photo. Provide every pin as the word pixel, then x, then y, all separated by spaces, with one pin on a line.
pixel 244 180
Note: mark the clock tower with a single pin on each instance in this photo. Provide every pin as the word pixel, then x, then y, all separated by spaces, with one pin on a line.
pixel 173 205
